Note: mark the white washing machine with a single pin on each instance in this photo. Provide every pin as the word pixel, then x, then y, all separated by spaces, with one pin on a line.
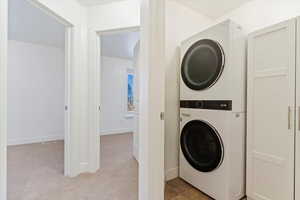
pixel 213 65
pixel 212 155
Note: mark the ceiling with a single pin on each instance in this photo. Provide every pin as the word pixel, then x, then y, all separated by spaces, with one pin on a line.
pixel 27 23
pixel 95 2
pixel 212 8
pixel 120 45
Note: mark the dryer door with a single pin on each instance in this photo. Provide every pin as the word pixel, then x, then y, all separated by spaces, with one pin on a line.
pixel 202 64
pixel 202 146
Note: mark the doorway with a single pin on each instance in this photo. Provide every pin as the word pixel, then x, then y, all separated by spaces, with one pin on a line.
pixel 37 100
pixel 152 45
pixel 119 106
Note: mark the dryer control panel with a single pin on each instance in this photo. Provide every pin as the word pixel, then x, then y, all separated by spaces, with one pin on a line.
pixel 207 104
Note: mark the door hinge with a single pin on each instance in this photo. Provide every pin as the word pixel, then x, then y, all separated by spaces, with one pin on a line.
pixel 162 116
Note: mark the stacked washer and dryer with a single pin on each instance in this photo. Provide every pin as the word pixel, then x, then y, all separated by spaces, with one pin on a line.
pixel 212 111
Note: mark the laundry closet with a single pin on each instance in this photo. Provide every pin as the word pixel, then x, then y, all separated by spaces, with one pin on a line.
pixel 273 118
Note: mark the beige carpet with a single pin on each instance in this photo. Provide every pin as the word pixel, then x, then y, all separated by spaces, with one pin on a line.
pixel 35 172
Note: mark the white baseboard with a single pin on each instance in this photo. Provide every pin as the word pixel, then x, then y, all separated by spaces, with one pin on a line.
pixel 20 141
pixel 171 173
pixel 116 131
pixel 84 166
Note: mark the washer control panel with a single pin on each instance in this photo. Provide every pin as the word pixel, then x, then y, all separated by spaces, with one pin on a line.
pixel 207 104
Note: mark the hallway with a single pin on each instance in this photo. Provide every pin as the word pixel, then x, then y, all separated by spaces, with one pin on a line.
pixel 35 172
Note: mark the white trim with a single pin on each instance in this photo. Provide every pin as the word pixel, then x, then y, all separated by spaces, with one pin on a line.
pixel 3 96
pixel 41 44
pixel 21 141
pixel 96 2
pixel 118 30
pixel 130 115
pixel 152 101
pixel 84 166
pixel 67 116
pixel 94 74
pixel 115 132
pixel 94 99
pixel 171 173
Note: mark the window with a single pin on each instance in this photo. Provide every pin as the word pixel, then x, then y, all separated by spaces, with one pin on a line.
pixel 130 92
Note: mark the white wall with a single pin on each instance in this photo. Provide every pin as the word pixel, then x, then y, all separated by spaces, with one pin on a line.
pixel 114 118
pixel 119 44
pixel 25 17
pixel 117 15
pixel 35 93
pixel 258 14
pixel 181 23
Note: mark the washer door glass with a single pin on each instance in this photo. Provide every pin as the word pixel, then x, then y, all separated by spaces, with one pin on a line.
pixel 201 146
pixel 203 64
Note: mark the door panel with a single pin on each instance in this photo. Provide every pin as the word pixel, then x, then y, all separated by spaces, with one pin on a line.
pixel 271 102
pixel 297 192
pixel 136 103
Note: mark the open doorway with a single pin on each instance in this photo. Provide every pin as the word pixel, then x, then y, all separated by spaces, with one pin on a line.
pixel 119 111
pixel 37 100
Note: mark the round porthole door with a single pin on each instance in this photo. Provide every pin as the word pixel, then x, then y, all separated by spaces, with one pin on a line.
pixel 202 146
pixel 202 64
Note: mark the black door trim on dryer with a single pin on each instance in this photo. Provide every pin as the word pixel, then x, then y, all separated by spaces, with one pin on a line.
pixel 202 146
pixel 207 104
pixel 203 64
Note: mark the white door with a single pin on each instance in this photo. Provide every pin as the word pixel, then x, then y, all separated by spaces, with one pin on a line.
pixel 271 102
pixel 67 136
pixel 297 187
pixel 136 102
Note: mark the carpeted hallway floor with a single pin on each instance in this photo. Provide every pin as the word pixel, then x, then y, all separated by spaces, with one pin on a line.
pixel 35 172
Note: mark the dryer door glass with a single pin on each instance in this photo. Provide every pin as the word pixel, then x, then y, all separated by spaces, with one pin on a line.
pixel 202 64
pixel 201 146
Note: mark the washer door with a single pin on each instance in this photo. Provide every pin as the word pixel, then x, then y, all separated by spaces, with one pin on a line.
pixel 201 146
pixel 202 64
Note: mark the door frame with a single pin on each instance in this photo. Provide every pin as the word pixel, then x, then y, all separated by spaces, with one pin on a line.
pixel 152 98
pixel 297 122
pixel 151 176
pixel 95 89
pixel 99 35
pixel 3 90
pixel 3 94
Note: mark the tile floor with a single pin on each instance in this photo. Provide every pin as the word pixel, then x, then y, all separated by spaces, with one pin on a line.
pixel 178 189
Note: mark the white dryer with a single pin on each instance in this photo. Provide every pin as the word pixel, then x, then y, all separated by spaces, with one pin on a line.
pixel 212 155
pixel 213 65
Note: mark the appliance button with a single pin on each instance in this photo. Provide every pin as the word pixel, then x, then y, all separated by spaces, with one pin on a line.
pixel 199 104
